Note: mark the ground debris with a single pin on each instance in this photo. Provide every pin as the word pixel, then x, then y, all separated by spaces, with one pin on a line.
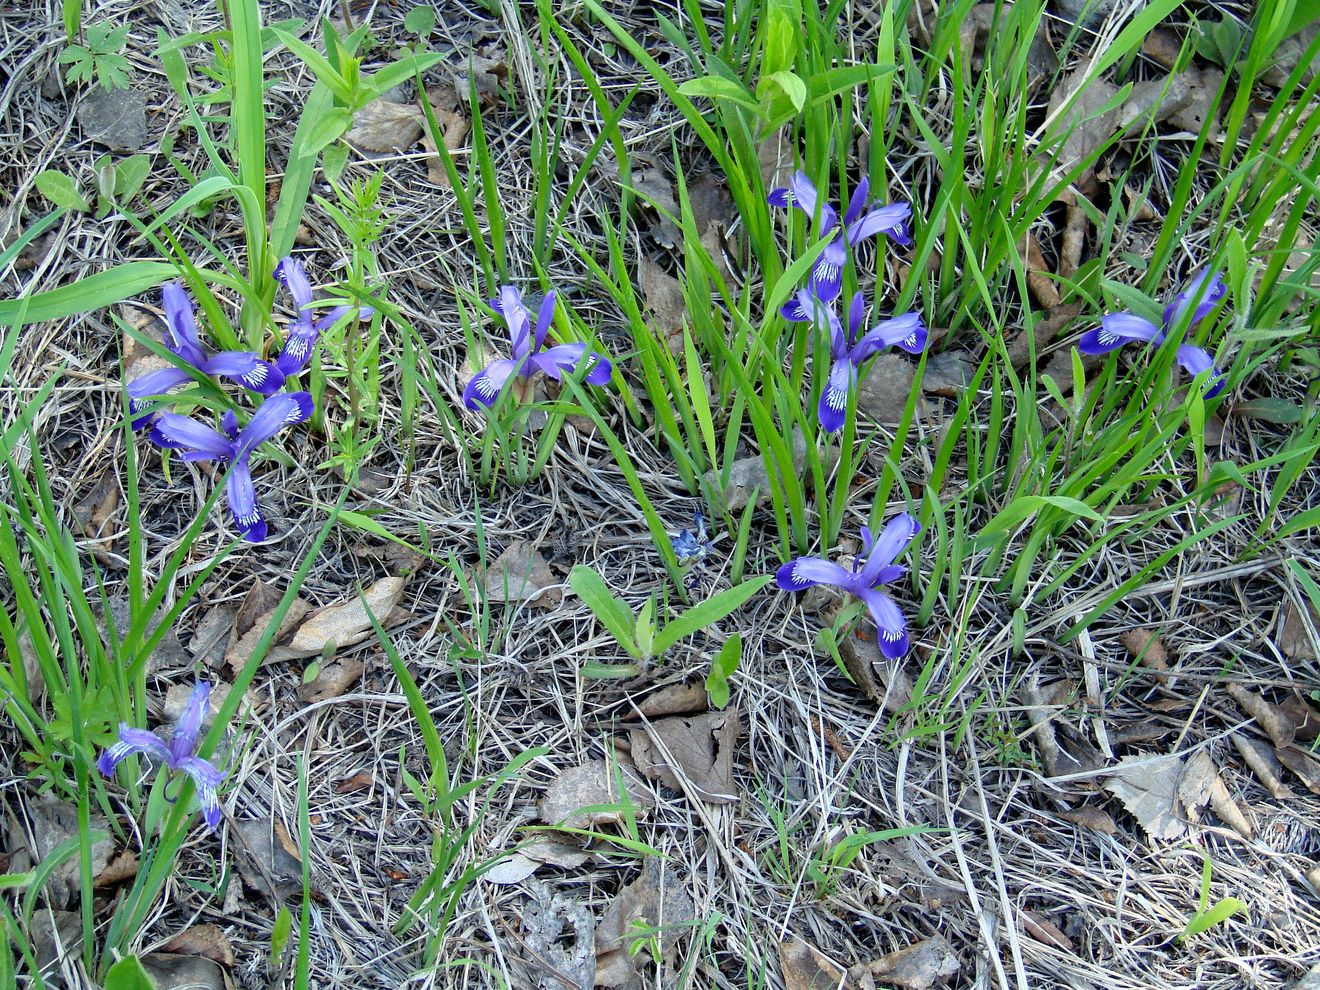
pixel 655 903
pixel 916 967
pixel 804 967
pixel 50 823
pixel 520 574
pixel 347 623
pixel 1145 644
pixel 690 752
pixel 208 941
pixel 592 785
pixel 1295 639
pixel 1264 764
pixel 1086 126
pixel 1274 720
pixel 330 679
pixel 383 125
pixel 666 307
pixel 1096 819
pixel 171 971
pixel 561 934
pixel 268 858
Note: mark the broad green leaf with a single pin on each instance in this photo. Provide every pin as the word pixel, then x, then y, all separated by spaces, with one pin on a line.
pixel 705 613
pixel 1020 509
pixel 783 35
pixel 88 294
pixel 61 190
pixel 331 127
pixel 613 613
pixel 420 20
pixel 128 974
pixel 1281 411
pixel 719 88
pixel 722 668
pixel 645 627
pixel 130 174
pixel 788 83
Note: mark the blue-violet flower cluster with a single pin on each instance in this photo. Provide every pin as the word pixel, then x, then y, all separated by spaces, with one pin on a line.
pixel 196 441
pixel 179 752
pixel 529 353
pixel 1200 298
pixel 872 568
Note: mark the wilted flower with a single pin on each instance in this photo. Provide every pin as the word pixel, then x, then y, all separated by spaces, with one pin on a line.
pixel 1117 329
pixel 244 367
pixel 691 546
pixel 197 442
pixel 179 753
pixel 849 350
pixel 303 334
pixel 872 568
pixel 862 220
pixel 529 353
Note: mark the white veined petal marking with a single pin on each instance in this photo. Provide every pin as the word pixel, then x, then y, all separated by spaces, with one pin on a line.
pixel 797 576
pixel 890 635
pixel 293 417
pixel 485 386
pixel 910 340
pixel 257 375
pixel 298 346
pixel 1106 337
pixel 836 398
pixel 249 519
pixel 827 272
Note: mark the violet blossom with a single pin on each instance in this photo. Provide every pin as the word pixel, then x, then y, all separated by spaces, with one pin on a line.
pixel 1200 297
pixel 529 353
pixel 198 442
pixel 850 349
pixel 872 568
pixel 304 332
pixel 181 338
pixel 179 753
pixel 861 220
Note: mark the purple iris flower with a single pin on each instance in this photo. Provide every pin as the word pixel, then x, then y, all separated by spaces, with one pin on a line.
pixel 181 338
pixel 873 567
pixel 851 348
pixel 179 753
pixel 862 220
pixel 197 442
pixel 529 353
pixel 303 334
pixel 1200 298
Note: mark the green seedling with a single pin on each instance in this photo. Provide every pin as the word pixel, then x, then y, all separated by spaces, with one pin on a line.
pixel 1206 916
pixel 98 58
pixel 640 634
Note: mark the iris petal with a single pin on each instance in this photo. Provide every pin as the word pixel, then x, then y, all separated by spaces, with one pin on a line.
pixel 804 572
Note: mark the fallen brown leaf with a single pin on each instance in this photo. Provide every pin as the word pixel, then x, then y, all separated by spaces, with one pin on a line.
pixel 1302 763
pixel 358 782
pixel 1295 638
pixel 1096 819
pixel 1264 764
pixel 1043 930
pixel 1085 126
pixel 519 574
pixel 655 900
pixel 122 867
pixel 675 699
pixel 805 968
pixel 95 511
pixel 882 680
pixel 335 627
pixel 917 967
pixel 383 125
pixel 1146 645
pixel 259 601
pixel 268 859
pixel 1272 719
pixel 1148 787
pixel 169 971
pixel 334 678
pixel 696 750
pixel 666 309
pixel 1200 784
pixel 587 786
pixel 208 941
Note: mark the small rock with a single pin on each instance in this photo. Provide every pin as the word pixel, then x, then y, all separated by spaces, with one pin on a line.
pixel 176 702
pixel 947 374
pixel 884 392
pixel 55 935
pixel 116 118
pixel 51 88
pixel 1163 46
pixel 1088 13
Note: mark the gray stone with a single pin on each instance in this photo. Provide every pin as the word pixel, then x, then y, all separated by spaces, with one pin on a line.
pixel 116 118
pixel 1089 13
pixel 883 392
pixel 947 374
